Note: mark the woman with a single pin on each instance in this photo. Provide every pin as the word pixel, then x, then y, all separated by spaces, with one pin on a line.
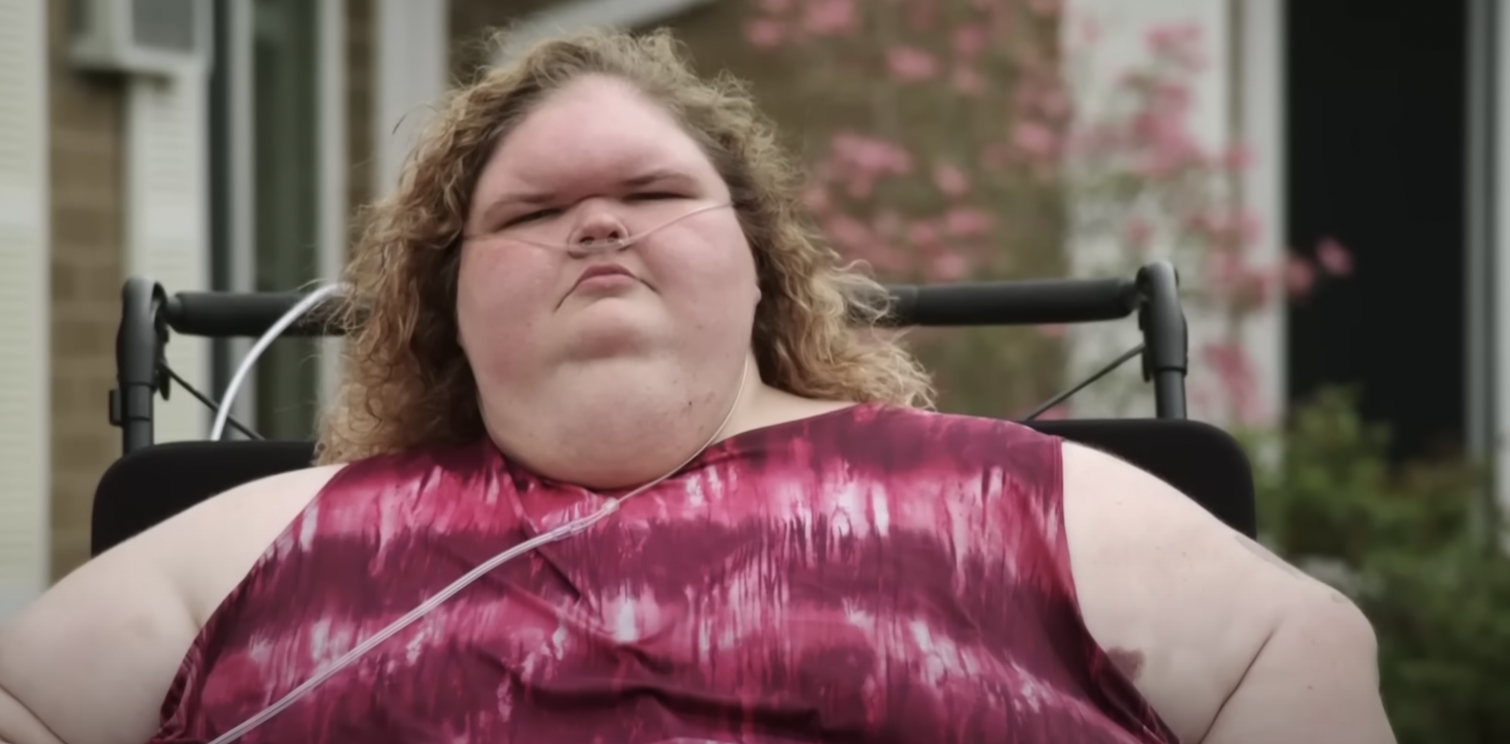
pixel 592 297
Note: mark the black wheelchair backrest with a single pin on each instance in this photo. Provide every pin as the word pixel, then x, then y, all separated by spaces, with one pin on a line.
pixel 152 482
pixel 157 482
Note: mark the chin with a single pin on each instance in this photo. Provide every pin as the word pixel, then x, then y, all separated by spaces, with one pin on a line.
pixel 614 331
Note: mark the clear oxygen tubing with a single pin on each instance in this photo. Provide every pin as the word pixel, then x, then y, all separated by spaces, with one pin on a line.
pixel 574 527
pixel 616 244
pixel 307 303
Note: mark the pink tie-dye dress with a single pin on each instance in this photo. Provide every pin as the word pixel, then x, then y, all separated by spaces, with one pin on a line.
pixel 875 574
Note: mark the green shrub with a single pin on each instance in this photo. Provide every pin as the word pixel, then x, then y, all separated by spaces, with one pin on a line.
pixel 1418 551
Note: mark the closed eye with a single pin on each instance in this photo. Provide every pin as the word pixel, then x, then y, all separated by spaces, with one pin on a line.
pixel 531 217
pixel 654 195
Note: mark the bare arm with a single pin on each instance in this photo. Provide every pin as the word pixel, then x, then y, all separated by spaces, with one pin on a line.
pixel 1315 680
pixel 91 661
pixel 1232 644
pixel 19 726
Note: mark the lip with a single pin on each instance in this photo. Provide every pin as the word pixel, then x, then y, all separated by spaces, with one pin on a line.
pixel 602 269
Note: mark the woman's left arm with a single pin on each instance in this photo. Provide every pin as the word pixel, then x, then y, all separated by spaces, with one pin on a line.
pixel 1233 645
pixel 1314 679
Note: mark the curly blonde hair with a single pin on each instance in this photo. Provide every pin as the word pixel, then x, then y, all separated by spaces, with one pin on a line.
pixel 407 384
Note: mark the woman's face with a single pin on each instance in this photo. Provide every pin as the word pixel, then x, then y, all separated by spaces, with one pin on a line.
pixel 594 161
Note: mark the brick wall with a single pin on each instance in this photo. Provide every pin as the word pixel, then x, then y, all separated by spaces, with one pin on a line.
pixel 87 165
pixel 360 67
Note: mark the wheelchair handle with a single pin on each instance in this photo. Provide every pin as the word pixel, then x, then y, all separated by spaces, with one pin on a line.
pixel 1166 353
pixel 232 314
pixel 1033 302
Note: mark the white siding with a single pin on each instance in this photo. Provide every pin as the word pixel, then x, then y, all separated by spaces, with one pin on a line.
pixel 334 165
pixel 1261 87
pixel 167 223
pixel 25 299
pixel 580 15
pixel 1123 28
pixel 413 57
pixel 1500 302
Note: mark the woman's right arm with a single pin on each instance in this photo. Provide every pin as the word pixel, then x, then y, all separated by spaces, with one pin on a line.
pixel 91 661
pixel 19 726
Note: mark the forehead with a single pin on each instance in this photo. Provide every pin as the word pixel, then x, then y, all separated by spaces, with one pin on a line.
pixel 592 127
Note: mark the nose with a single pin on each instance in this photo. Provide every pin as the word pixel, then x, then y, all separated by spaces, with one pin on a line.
pixel 599 230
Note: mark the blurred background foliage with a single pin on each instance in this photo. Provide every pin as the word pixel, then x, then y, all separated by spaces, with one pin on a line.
pixel 944 144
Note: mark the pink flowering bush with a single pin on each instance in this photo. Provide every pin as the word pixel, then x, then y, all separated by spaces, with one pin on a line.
pixel 960 156
pixel 937 161
pixel 957 152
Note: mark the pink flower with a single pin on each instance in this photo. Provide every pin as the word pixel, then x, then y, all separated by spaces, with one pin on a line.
pixel 1238 157
pixel 1170 100
pixel 1233 367
pixel 1034 139
pixel 870 155
pixel 1333 258
pixel 1054 102
pixel 923 235
pixel 765 33
pixel 860 185
pixel 967 80
pixel 911 64
pixel 1232 227
pixel 817 199
pixel 965 222
pixel 887 223
pixel 1177 43
pixel 950 180
pixel 969 41
pixel 829 17
pixel 1300 277
pixel 948 266
pixel 848 232
pixel 1045 7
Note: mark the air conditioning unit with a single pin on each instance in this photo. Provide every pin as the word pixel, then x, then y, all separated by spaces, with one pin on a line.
pixel 141 37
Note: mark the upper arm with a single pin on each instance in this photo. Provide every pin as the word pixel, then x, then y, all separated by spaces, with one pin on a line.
pixel 1206 610
pixel 93 658
pixel 1318 669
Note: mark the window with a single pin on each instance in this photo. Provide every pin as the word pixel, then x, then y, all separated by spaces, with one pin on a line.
pixel 265 144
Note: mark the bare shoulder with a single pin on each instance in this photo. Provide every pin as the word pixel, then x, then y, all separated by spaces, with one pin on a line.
pixel 1198 614
pixel 110 636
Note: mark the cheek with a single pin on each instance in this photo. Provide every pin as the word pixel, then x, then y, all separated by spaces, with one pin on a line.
pixel 491 295
pixel 714 268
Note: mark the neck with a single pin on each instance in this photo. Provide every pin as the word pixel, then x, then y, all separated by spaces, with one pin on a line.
pixel 610 427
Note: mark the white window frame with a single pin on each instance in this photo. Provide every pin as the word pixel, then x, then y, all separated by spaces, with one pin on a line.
pixel 332 171
pixel 411 69
pixel 25 398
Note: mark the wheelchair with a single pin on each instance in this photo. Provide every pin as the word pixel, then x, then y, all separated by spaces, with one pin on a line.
pixel 152 482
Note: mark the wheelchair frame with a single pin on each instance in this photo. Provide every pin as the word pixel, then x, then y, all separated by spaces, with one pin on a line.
pixel 149 314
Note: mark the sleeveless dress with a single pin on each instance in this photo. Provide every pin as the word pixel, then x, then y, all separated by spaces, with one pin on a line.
pixel 874 574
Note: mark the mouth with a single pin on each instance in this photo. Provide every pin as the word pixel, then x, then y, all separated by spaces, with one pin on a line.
pixel 603 270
